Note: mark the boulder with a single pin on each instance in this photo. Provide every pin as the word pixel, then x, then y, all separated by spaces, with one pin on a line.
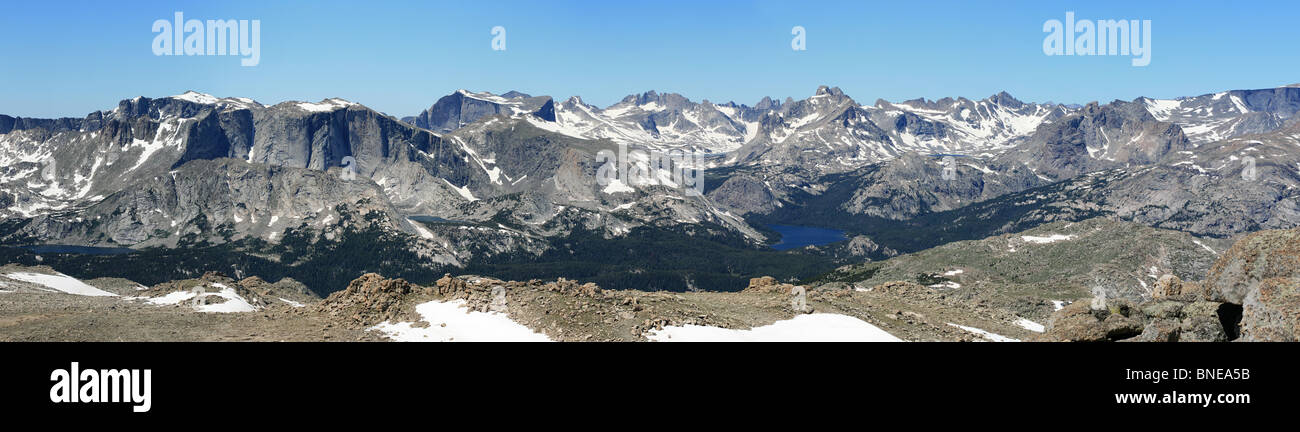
pixel 1272 311
pixel 1255 258
pixel 1168 286
pixel 372 299
pixel 1201 323
pixel 1077 322
pixel 1164 330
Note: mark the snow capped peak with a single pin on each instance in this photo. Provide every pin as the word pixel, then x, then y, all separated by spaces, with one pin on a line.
pixel 1217 116
pixel 207 99
pixel 511 98
pixel 326 105
pixel 196 97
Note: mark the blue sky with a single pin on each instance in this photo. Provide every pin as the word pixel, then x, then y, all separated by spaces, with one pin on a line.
pixel 71 58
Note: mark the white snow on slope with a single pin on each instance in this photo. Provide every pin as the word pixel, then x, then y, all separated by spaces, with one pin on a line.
pixel 1049 239
pixel 617 186
pixel 233 303
pixel 450 322
pixel 60 282
pixel 170 298
pixel 291 302
pixel 196 97
pixel 326 105
pixel 419 228
pixel 1198 243
pixel 817 327
pixel 462 190
pixel 1030 325
pixel 992 337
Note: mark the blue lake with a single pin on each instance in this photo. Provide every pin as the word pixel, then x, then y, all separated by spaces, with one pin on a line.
pixel 793 237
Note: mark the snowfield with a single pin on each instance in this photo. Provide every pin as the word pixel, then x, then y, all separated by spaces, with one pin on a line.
pixel 1030 325
pixel 818 327
pixel 234 302
pixel 451 322
pixel 60 282
pixel 1049 239
pixel 989 336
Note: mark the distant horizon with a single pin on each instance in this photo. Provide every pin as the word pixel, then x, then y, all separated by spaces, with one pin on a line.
pixel 398 57
pixel 559 99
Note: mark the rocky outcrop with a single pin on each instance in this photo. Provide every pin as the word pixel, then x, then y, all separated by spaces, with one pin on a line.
pixel 1271 312
pixel 372 299
pixel 1080 322
pixel 1253 259
pixel 1261 274
pixel 1252 293
pixel 861 246
pixel 1169 319
pixel 768 284
pixel 463 107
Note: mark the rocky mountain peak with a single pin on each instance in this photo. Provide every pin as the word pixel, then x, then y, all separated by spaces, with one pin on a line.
pixel 767 104
pixel 828 91
pixel 1005 99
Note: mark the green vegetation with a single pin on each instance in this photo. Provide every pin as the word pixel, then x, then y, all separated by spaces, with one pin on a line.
pixel 325 266
pixel 705 257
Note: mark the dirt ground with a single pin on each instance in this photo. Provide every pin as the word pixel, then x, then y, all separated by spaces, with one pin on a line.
pixel 562 310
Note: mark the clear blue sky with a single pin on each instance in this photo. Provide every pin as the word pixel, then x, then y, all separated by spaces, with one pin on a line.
pixel 70 58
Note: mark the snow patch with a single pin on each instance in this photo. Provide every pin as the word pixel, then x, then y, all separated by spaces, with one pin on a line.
pixel 1049 239
pixel 450 321
pixel 818 327
pixel 60 282
pixel 617 186
pixel 992 337
pixel 462 190
pixel 233 303
pixel 1030 325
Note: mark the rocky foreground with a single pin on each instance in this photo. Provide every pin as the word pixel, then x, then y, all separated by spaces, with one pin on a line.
pixel 1252 293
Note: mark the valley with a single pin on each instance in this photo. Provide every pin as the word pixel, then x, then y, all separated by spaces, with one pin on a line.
pixel 1014 207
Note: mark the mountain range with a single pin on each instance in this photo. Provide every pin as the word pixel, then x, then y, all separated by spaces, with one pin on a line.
pixel 508 183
